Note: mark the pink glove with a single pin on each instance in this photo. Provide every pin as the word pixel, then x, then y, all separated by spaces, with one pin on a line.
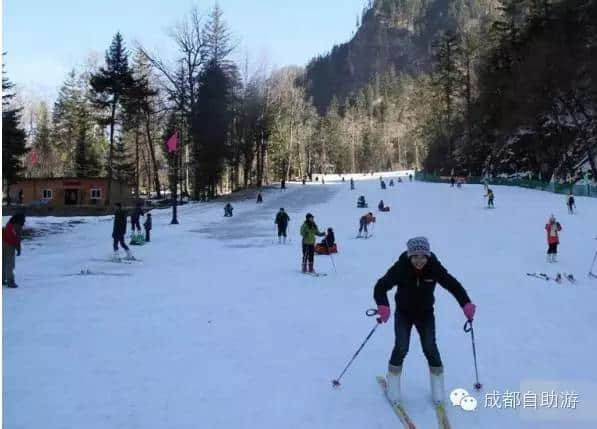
pixel 383 311
pixel 469 310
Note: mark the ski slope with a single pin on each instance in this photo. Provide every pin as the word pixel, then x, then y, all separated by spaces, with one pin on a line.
pixel 217 328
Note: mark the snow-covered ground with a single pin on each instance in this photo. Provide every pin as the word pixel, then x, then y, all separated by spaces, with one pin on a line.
pixel 217 328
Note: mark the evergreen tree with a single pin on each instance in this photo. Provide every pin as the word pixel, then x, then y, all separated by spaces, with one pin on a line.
pixel 110 86
pixel 42 144
pixel 13 136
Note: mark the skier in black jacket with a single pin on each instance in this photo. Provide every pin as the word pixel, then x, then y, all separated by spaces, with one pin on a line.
pixel 282 219
pixel 118 232
pixel 416 273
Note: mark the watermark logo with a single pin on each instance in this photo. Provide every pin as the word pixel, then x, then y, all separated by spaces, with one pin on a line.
pixel 460 398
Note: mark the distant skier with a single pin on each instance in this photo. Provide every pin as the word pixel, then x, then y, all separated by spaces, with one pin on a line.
pixel 135 217
pixel 416 273
pixel 322 180
pixel 283 184
pixel 259 198
pixel 410 177
pixel 490 197
pixel 308 231
pixel 11 247
pixel 228 210
pixel 553 229
pixel 282 220
pixel 391 183
pixel 118 232
pixel 351 184
pixel 452 181
pixel 363 222
pixel 570 203
pixel 147 226
pixel 343 179
pixel 383 184
pixel 304 181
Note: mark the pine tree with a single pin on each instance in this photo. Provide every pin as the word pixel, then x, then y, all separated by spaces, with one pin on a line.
pixel 42 144
pixel 110 86
pixel 13 136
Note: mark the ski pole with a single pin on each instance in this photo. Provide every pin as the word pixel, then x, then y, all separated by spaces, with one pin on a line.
pixel 370 313
pixel 468 327
pixel 331 257
pixel 593 264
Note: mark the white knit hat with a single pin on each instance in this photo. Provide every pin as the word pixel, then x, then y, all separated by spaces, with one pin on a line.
pixel 418 246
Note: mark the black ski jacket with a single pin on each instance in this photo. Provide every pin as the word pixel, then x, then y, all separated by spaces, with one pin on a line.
pixel 119 223
pixel 282 219
pixel 415 288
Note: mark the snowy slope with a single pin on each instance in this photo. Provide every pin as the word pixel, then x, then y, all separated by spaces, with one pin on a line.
pixel 216 328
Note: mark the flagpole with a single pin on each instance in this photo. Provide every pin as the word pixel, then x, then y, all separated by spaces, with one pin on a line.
pixel 173 197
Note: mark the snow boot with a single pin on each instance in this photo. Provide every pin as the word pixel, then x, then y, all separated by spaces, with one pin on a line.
pixel 129 255
pixel 393 384
pixel 311 267
pixel 436 374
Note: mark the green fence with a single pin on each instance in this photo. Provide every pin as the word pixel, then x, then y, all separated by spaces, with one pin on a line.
pixel 558 188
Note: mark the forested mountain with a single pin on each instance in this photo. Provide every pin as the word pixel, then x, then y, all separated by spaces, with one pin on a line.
pixel 393 34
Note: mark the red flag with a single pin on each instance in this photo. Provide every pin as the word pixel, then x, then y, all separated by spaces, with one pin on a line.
pixel 172 142
pixel 33 156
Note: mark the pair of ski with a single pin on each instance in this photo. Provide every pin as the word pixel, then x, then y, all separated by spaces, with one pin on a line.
pixel 314 274
pixel 118 261
pixel 558 278
pixel 440 410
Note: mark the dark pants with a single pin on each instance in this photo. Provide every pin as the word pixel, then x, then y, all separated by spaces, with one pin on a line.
pixel 570 208
pixel 490 202
pixel 147 234
pixel 363 226
pixel 282 230
pixel 308 253
pixel 553 248
pixel 8 264
pixel 425 325
pixel 120 239
pixel 135 225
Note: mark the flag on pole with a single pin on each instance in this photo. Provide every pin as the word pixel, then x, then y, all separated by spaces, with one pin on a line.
pixel 172 142
pixel 33 157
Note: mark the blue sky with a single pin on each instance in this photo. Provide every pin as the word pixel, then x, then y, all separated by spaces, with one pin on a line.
pixel 45 39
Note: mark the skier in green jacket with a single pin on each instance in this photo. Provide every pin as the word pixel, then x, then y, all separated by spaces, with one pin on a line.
pixel 308 231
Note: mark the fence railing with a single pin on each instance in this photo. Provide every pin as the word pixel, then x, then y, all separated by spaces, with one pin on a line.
pixel 558 188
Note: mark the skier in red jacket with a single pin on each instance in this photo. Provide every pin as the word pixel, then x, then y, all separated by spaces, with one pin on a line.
pixel 553 228
pixel 11 244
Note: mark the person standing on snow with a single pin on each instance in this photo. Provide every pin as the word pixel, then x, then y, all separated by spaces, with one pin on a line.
pixel 118 232
pixel 570 203
pixel 282 219
pixel 489 197
pixel 415 274
pixel 11 247
pixel 553 229
pixel 351 184
pixel 147 225
pixel 135 217
pixel 308 231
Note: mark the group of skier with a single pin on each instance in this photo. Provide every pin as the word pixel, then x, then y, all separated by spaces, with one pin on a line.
pixel 119 229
